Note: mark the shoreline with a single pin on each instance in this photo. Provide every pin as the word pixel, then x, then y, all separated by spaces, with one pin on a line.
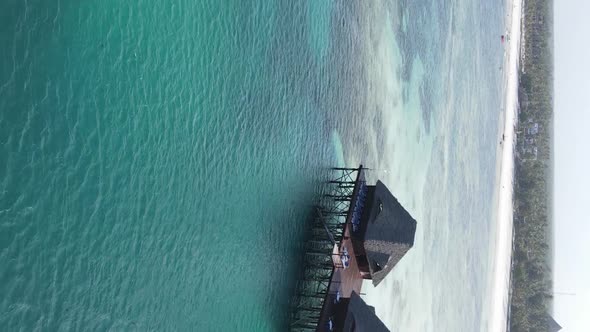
pixel 505 179
pixel 502 258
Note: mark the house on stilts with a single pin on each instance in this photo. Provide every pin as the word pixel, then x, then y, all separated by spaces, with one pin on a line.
pixel 360 232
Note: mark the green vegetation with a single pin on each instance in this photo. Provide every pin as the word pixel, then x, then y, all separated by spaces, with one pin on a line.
pixel 532 286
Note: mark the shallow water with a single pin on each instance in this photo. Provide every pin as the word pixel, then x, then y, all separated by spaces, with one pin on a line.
pixel 158 161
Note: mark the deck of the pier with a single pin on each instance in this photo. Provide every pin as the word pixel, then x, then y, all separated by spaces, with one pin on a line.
pixel 344 280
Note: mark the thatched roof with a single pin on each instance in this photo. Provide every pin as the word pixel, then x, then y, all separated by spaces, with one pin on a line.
pixel 389 235
pixel 361 317
pixel 552 325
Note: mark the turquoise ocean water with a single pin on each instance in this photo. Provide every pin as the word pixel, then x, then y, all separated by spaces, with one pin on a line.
pixel 158 160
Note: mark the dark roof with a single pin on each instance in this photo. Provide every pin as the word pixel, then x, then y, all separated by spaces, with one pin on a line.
pixel 552 325
pixel 361 317
pixel 389 235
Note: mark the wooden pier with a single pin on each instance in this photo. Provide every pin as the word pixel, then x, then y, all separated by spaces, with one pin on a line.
pixel 359 232
pixel 330 272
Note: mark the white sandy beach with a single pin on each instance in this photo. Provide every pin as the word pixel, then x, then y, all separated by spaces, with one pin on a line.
pixel 500 283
